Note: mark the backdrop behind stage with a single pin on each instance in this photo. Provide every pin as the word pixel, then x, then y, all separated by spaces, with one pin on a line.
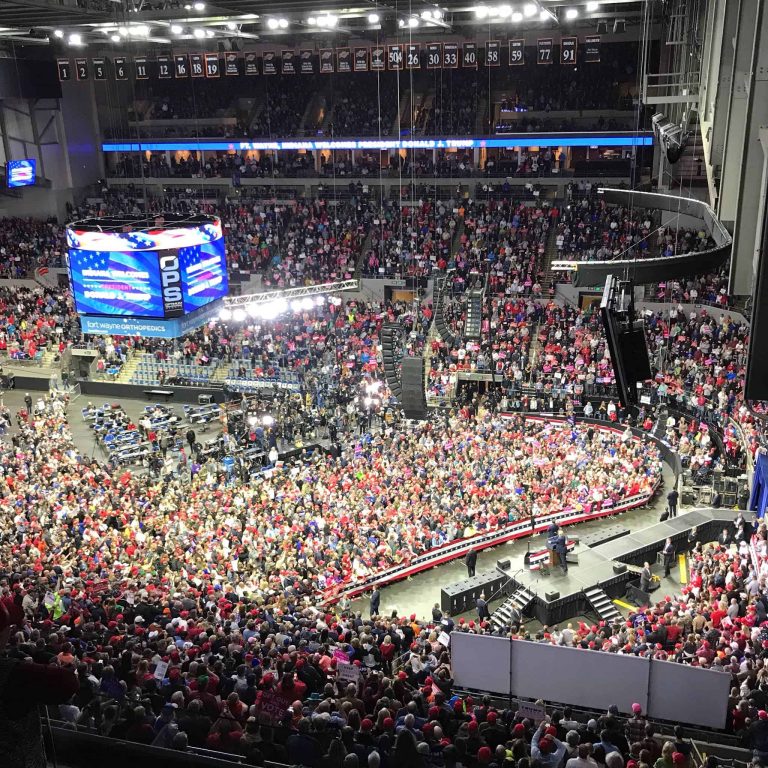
pixel 153 276
pixel 521 668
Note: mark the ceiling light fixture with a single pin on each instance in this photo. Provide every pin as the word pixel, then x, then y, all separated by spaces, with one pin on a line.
pixel 231 26
pixel 312 21
pixel 529 9
pixel 373 18
pixel 209 33
pixel 571 13
pixel 426 15
pixel 282 23
pixel 199 6
pixel 58 33
pixel 115 38
pixel 198 33
pixel 592 7
pixel 437 14
pixel 75 39
pixel 517 17
pixel 272 23
pixel 413 22
pixel 545 16
pixel 481 11
pixel 505 11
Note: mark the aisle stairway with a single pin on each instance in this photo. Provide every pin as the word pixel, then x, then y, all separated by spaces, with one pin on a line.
pixel 602 604
pixel 550 255
pixel 474 323
pixel 521 598
pixel 127 371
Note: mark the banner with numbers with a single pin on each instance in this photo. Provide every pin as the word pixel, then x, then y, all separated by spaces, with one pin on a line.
pixel 163 67
pixel 99 69
pixel 65 70
pixel 395 57
pixel 212 65
pixel 568 50
pixel 450 55
pixel 196 65
pixel 434 55
pixel 493 53
pixel 544 50
pixel 81 69
pixel 469 55
pixel 121 68
pixel 142 68
pixel 412 60
pixel 181 65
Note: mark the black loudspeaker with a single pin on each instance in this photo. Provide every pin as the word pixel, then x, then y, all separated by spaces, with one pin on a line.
pixel 634 354
pixel 619 568
pixel 756 386
pixel 550 597
pixel 502 565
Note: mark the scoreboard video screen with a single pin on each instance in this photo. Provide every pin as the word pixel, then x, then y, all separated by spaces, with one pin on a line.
pixel 160 273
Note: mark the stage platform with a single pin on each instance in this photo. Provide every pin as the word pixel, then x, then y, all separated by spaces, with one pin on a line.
pixel 596 564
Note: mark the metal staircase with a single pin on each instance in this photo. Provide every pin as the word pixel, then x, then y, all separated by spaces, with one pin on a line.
pixel 521 598
pixel 474 324
pixel 602 604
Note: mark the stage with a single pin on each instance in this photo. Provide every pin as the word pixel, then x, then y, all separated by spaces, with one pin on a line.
pixel 559 596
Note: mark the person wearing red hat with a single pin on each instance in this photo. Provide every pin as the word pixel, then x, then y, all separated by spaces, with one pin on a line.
pixel 546 747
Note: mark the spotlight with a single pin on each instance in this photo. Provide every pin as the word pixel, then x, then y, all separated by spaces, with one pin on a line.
pixel 209 33
pixel 58 33
pixel 426 15
pixel 373 18
pixel 115 38
pixel 123 32
pixel 517 16
pixel 592 7
pixel 437 14
pixel 320 300
pixel 413 22
pixel 176 29
pixel 544 16
pixel 571 13
pixel 312 21
pixel 481 11
pixel 142 30
pixel 282 23
pixel 307 303
pixel 75 39
pixel 268 420
pixel 272 23
pixel 231 26
pixel 225 314
pixel 401 23
pixel 505 11
pixel 252 310
pixel 326 21
pixel 199 33
pixel 529 9
pixel 199 6
pixel 239 315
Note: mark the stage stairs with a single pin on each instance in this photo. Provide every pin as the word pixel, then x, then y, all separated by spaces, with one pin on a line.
pixel 602 604
pixel 521 598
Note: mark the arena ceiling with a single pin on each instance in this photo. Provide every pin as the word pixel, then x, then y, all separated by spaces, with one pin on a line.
pixel 51 21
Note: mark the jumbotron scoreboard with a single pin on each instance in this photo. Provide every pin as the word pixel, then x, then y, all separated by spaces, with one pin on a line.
pixel 158 276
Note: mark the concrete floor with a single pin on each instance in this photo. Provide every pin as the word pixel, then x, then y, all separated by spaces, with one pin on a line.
pixel 414 595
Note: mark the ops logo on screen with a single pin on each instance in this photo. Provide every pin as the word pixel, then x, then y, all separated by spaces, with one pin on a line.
pixel 170 282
